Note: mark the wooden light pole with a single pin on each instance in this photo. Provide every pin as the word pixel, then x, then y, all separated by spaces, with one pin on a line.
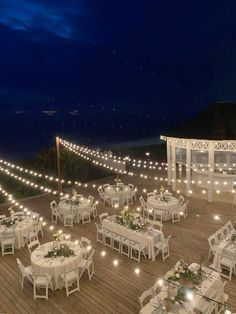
pixel 59 185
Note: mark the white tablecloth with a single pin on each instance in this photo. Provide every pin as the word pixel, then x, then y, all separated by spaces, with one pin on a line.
pixel 155 203
pixel 76 209
pixel 211 283
pixel 138 236
pixel 55 267
pixel 21 229
pixel 122 193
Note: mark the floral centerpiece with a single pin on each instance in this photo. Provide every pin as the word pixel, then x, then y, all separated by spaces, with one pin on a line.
pixel 59 236
pixel 12 220
pixel 62 251
pixel 129 219
pixel 163 197
pixel 183 274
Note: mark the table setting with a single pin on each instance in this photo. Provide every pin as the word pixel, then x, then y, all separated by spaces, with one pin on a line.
pixel 182 289
pixel 162 201
pixel 132 226
pixel 20 226
pixel 56 257
pixel 74 205
pixel 119 190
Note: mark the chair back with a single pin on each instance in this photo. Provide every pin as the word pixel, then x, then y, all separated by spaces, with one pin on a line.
pixel 144 295
pixel 181 200
pixel 91 199
pixel 85 242
pixel 20 265
pixel 103 216
pixel 32 244
pixel 53 204
pixel 143 203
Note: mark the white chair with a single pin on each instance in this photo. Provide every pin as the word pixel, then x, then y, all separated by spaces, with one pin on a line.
pixel 158 215
pixel 229 226
pixel 71 277
pixel 116 242
pixel 41 282
pixel 143 206
pixel 218 236
pixel 31 236
pixel 2 216
pixel 125 246
pixel 163 247
pixel 8 243
pixel 146 294
pixel 137 248
pixel 85 245
pixel 184 209
pixel 85 216
pixel 69 219
pixel 25 272
pixel 87 264
pixel 155 287
pixel 105 199
pixel 221 298
pixel 91 199
pixel 133 190
pixel 93 210
pixel 100 235
pixel 175 214
pixel 103 216
pixel 32 245
pixel 212 246
pixel 55 212
pixel 181 200
pixel 115 202
pixel 39 227
pixel 107 235
pixel 227 264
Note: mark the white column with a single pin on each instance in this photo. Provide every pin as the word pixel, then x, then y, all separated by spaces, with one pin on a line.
pixel 173 165
pixel 169 173
pixel 188 166
pixel 211 162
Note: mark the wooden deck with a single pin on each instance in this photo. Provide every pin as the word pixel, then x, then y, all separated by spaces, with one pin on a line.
pixel 113 289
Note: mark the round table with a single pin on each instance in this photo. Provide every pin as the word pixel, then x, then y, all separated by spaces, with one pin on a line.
pixel 74 206
pixel 55 267
pixel 20 229
pixel 123 193
pixel 156 203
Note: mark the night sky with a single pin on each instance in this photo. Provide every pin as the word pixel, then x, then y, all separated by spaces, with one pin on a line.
pixel 103 72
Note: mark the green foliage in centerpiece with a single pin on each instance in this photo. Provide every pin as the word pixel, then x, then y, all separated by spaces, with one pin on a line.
pixel 9 222
pixel 181 272
pixel 72 202
pixel 233 237
pixel 128 219
pixel 62 251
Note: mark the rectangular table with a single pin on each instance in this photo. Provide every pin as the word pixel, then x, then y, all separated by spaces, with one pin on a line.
pixel 210 284
pixel 141 237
